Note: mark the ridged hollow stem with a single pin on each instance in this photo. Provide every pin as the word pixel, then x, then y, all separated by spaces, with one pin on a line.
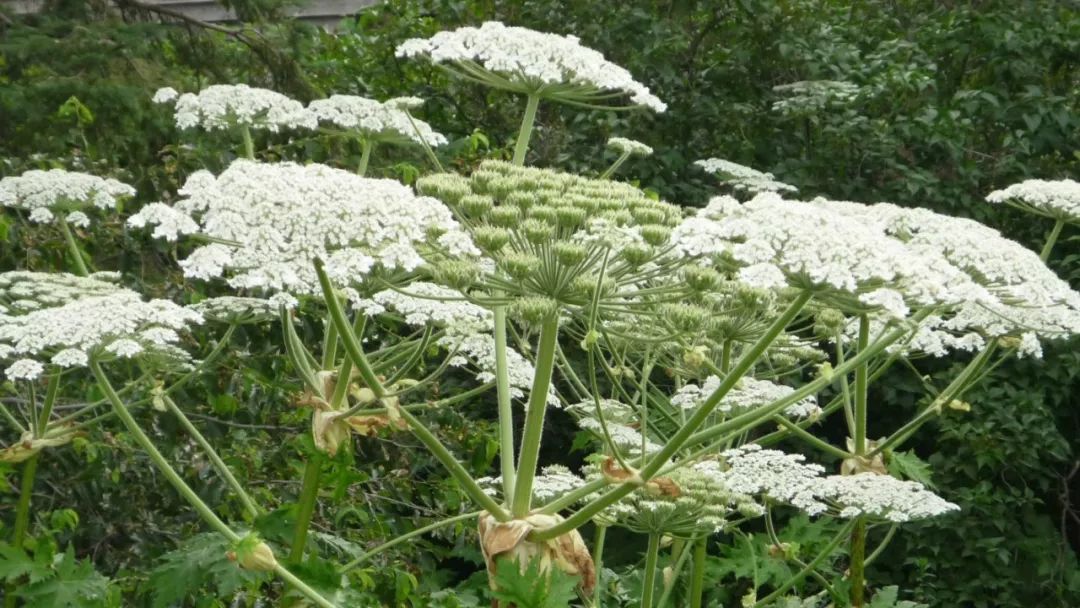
pixel 687 431
pixel 305 506
pixel 442 523
pixel 329 350
pixel 668 581
pixel 525 132
pixel 356 353
pixel 423 142
pixel 1051 240
pixel 506 412
pixel 249 144
pixel 652 554
pixel 810 567
pixel 857 569
pixel 72 246
pixel 47 407
pixel 534 417
pixel 955 388
pixel 366 146
pixel 22 517
pixel 697 577
pixel 861 388
pixel 250 507
pixel 598 563
pixel 615 166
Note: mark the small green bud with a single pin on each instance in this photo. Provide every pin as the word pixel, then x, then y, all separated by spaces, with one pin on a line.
pixel 537 232
pixel 647 215
pixel 569 254
pixel 695 357
pixel 458 274
pixel 636 255
pixel 502 187
pixel 685 317
pixel 543 213
pixel 570 217
pixel 700 278
pixel 619 217
pixel 447 187
pixel 585 285
pixel 251 553
pixel 655 234
pixel 491 238
pixel 825 370
pixel 534 310
pixel 520 266
pixel 505 217
pixel 591 339
pixel 477 205
pixel 521 199
pixel 828 322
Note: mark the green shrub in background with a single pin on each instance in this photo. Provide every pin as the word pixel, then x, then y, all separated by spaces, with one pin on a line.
pixel 951 101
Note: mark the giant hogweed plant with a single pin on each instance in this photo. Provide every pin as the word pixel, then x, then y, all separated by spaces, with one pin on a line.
pixel 684 344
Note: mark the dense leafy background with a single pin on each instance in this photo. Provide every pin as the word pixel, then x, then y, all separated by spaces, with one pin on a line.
pixel 959 98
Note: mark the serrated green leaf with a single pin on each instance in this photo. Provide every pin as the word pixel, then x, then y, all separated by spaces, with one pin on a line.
pixel 907 465
pixel 75 585
pixel 532 588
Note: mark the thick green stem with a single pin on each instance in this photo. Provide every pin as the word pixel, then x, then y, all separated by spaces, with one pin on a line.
pixel 534 417
pixel 861 387
pixel 72 246
pixel 652 553
pixel 525 132
pixel 615 165
pixel 687 430
pixel 366 147
pixel 363 557
pixel 697 579
pixel 506 413
pixel 857 568
pixel 22 517
pixel 430 441
pixel 249 144
pixel 252 510
pixel 305 507
pixel 1055 232
pixel 598 564
pixel 182 487
pixel 669 581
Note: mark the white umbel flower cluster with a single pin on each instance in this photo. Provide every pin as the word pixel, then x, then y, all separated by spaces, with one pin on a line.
pixel 95 319
pixel 629 147
pixel 375 121
pixel 1011 293
pixel 749 393
pixel 741 177
pixel 223 106
pixel 527 60
pixel 787 478
pixel 46 193
pixel 1058 199
pixel 428 303
pixel 168 223
pixel 478 351
pixel 811 96
pixel 551 483
pixel 270 221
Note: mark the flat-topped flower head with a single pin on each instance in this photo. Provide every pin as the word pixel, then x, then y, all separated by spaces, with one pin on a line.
pixel 812 96
pixel 385 122
pixel 548 232
pixel 882 497
pixel 267 223
pixel 552 482
pixel 526 61
pixel 422 303
pixel 56 192
pixel 224 106
pixel 1022 299
pixel 741 177
pixel 629 147
pixel 1059 200
pixel 79 319
pixel 749 393
pixel 772 474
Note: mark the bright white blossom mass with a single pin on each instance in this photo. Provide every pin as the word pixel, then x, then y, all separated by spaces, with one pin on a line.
pixel 629 147
pixel 375 121
pixel 529 61
pixel 56 191
pixel 1059 199
pixel 223 106
pixel 269 222
pixel 748 394
pixel 741 177
pixel 73 319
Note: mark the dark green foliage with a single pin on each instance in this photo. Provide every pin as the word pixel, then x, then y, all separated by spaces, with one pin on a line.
pixel 533 587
